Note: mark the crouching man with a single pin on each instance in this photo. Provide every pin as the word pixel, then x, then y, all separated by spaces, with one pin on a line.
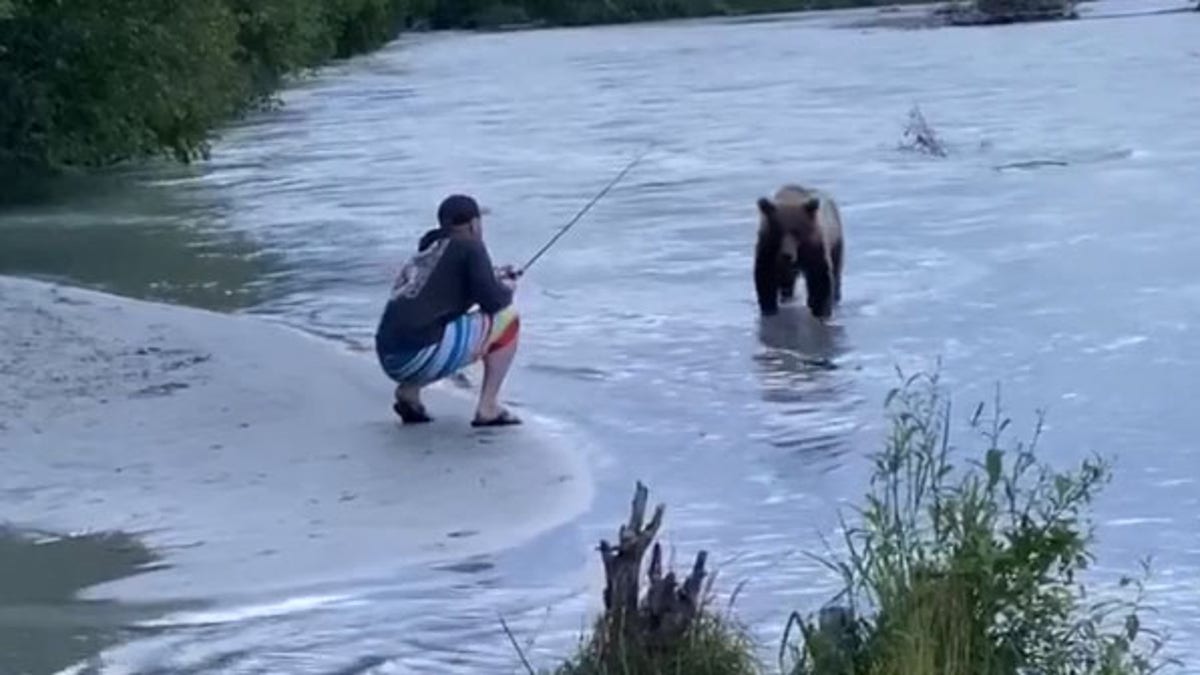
pixel 429 330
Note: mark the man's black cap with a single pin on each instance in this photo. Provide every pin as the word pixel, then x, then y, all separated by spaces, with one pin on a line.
pixel 457 210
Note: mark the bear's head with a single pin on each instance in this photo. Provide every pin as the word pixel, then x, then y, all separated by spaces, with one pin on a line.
pixel 788 221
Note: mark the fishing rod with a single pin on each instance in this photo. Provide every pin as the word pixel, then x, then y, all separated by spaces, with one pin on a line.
pixel 584 210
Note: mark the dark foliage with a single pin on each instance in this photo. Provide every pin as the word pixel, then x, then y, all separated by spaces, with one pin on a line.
pixel 89 84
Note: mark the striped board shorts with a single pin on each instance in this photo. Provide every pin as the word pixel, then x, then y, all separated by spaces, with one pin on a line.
pixel 465 340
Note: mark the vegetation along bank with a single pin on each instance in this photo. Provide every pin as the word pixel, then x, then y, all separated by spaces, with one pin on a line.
pixel 91 84
pixel 956 562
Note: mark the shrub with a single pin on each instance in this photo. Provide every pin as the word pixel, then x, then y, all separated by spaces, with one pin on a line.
pixel 276 37
pixel 93 83
pixel 89 84
pixel 713 646
pixel 96 83
pixel 361 25
pixel 971 570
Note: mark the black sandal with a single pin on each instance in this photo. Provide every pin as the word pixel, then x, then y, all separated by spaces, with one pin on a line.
pixel 411 413
pixel 504 419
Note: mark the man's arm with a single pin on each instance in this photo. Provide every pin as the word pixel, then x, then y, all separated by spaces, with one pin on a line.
pixel 485 289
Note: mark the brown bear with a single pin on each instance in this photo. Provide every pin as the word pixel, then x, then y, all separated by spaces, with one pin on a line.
pixel 800 232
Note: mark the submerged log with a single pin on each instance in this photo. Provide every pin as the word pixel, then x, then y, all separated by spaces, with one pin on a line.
pixel 667 610
pixel 1030 164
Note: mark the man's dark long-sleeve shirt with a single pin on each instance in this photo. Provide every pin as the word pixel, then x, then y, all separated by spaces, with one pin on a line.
pixel 441 282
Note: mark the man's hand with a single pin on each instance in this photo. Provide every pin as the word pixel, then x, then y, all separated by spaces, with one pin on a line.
pixel 508 273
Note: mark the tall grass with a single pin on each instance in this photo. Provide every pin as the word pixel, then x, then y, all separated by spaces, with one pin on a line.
pixel 971 567
pixel 715 645
pixel 957 564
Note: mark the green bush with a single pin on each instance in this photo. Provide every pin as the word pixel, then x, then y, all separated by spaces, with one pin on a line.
pixel 361 25
pixel 276 37
pixel 95 83
pixel 90 84
pixel 971 570
pixel 713 646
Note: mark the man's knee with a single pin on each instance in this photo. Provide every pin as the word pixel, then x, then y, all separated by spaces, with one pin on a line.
pixel 508 329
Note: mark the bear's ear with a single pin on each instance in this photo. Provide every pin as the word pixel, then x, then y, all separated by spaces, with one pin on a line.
pixel 765 207
pixel 812 205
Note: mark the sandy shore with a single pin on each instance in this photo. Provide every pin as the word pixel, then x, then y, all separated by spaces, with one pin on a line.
pixel 252 456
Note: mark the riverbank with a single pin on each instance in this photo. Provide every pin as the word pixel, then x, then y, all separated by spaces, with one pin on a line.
pixel 90 87
pixel 250 455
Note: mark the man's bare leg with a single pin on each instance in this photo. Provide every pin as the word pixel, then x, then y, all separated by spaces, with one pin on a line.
pixel 409 394
pixel 496 365
pixel 409 406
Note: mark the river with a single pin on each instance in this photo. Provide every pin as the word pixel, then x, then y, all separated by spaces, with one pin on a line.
pixel 1068 284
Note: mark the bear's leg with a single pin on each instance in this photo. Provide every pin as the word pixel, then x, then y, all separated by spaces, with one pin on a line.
pixel 787 279
pixel 819 282
pixel 837 271
pixel 766 286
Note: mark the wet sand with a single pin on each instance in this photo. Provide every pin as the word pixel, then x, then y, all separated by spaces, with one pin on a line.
pixel 252 456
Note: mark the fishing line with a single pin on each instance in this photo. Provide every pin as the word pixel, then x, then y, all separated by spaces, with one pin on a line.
pixel 585 209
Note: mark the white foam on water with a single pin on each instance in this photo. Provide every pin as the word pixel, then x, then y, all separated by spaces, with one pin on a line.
pixel 248 612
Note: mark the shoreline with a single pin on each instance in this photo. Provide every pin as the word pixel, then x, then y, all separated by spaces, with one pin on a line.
pixel 251 455
pixel 237 91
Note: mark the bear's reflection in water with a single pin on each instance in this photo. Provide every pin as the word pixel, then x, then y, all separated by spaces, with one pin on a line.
pixel 811 395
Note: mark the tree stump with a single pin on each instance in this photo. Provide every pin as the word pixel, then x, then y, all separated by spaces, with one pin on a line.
pixel 663 616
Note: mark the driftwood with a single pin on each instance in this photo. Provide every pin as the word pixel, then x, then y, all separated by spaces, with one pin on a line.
pixel 667 610
pixel 1030 164
pixel 920 137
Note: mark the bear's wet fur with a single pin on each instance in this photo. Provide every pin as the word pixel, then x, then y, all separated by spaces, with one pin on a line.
pixel 800 232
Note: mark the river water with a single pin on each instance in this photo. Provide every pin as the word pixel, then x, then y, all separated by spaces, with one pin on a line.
pixel 1068 284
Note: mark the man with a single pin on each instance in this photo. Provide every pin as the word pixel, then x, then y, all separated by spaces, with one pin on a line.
pixel 428 330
